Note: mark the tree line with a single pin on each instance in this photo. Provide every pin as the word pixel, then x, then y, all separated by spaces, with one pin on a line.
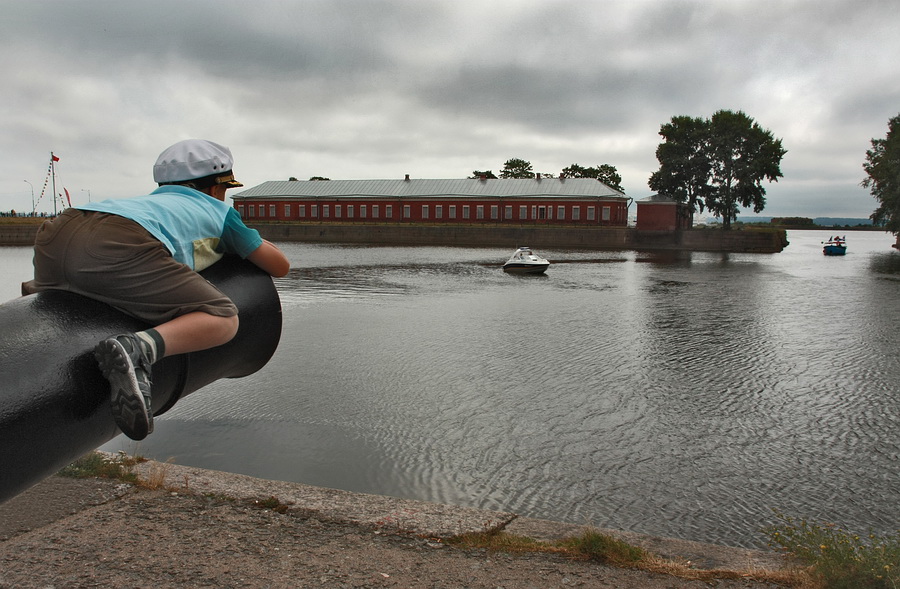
pixel 720 163
pixel 519 168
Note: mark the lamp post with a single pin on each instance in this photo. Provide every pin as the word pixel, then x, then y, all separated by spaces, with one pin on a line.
pixel 32 196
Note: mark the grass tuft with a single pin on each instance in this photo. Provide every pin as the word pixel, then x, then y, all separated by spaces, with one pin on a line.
pixel 97 465
pixel 593 545
pixel 500 542
pixel 156 476
pixel 837 559
pixel 590 545
pixel 271 503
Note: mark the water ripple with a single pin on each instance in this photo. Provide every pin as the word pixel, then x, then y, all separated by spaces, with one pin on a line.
pixel 672 395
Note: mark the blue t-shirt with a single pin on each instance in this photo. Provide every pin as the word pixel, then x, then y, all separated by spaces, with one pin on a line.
pixel 195 227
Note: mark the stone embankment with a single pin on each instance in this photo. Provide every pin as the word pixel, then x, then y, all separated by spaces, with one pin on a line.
pixel 201 528
pixel 18 234
pixel 608 238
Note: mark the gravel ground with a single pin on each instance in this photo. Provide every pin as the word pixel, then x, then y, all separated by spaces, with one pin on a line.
pixel 66 533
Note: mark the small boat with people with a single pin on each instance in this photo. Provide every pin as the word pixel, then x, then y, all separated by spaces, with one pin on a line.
pixel 525 261
pixel 835 246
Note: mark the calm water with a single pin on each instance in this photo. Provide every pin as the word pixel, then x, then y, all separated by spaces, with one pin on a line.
pixel 682 395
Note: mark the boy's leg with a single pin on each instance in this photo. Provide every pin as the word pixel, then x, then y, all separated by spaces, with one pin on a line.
pixel 125 361
pixel 196 331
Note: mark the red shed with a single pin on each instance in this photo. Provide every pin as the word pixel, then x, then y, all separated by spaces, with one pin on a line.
pixel 663 213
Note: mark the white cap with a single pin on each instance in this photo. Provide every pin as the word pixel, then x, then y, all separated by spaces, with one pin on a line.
pixel 192 159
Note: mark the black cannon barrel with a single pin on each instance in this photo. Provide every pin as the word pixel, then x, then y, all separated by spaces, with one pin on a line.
pixel 54 402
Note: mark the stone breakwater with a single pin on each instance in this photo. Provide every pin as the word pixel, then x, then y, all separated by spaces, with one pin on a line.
pixel 626 238
pixel 18 234
pixel 616 238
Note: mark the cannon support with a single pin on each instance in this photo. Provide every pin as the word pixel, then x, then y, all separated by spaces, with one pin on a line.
pixel 54 402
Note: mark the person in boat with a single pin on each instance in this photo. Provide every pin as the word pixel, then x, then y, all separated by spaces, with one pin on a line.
pixel 142 256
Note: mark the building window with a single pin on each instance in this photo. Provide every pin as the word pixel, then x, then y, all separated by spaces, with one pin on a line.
pixel 362 211
pixel 591 214
pixel 407 213
pixel 287 211
pixel 302 210
pixel 337 211
pixel 495 212
pixel 523 212
pixel 542 213
pixel 272 211
pixel 465 211
pixel 438 211
pixel 326 211
pixel 314 209
pixel 240 209
pixel 560 213
pixel 350 211
pixel 452 211
pixel 374 211
pixel 262 211
pixel 576 213
pixel 507 212
pixel 252 211
pixel 424 211
pixel 606 213
pixel 388 211
pixel 479 212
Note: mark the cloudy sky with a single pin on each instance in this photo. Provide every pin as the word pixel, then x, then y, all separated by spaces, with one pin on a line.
pixel 437 89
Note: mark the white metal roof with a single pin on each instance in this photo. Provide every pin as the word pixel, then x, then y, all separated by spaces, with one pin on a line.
pixel 530 187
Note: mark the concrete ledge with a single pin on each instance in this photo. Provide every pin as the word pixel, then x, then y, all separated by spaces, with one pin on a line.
pixel 419 518
pixel 434 520
pixel 511 236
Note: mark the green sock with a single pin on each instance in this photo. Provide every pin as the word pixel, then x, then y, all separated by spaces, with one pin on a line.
pixel 153 344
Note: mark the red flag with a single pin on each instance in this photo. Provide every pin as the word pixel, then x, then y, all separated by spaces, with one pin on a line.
pixel 67 196
pixel 55 159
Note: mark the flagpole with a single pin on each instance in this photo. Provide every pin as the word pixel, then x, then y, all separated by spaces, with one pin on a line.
pixel 53 176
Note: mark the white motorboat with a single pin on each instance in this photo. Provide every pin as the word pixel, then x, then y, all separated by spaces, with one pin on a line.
pixel 525 261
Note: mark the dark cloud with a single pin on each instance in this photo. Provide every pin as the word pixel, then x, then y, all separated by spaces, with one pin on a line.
pixel 379 88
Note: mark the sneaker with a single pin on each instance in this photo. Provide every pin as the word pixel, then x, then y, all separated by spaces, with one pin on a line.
pixel 125 365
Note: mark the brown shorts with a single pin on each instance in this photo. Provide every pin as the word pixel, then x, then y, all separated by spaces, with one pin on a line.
pixel 114 260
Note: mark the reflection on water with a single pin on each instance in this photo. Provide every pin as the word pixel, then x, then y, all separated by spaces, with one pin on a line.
pixel 675 394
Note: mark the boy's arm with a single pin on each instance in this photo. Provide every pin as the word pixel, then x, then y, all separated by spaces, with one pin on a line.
pixel 271 259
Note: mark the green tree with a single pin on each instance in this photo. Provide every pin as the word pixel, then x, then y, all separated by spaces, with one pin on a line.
pixel 605 173
pixel 517 168
pixel 720 163
pixel 793 221
pixel 319 178
pixel 487 174
pixel 883 181
pixel 684 167
pixel 742 154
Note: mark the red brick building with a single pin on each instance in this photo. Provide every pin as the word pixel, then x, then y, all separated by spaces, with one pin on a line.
pixel 550 201
pixel 662 213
